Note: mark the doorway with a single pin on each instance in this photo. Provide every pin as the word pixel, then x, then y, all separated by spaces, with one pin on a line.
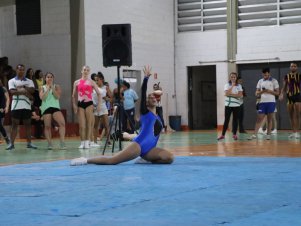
pixel 202 109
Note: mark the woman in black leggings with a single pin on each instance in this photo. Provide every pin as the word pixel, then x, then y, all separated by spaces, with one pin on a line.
pixel 233 92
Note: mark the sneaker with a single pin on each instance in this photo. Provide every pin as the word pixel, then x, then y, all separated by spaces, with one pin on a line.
pixel 142 161
pixel 94 145
pixel 235 137
pixel 30 145
pixel 252 137
pixel 81 146
pixel 292 135
pixel 261 131
pixel 274 131
pixel 10 147
pixel 50 147
pixel 7 140
pixel 86 144
pixel 268 137
pixel 221 137
pixel 63 146
pixel 79 161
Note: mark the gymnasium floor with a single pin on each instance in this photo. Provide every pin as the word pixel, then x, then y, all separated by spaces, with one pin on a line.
pixel 210 183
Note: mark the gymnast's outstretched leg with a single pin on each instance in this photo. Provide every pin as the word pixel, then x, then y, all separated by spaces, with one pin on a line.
pixel 132 151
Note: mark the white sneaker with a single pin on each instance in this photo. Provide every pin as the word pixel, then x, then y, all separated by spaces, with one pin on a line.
pixel 274 131
pixel 94 145
pixel 81 146
pixel 252 137
pixel 292 135
pixel 86 144
pixel 260 131
pixel 79 161
pixel 142 161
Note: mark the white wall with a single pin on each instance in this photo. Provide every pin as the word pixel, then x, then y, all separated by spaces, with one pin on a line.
pixel 49 51
pixel 270 42
pixel 7 25
pixel 152 28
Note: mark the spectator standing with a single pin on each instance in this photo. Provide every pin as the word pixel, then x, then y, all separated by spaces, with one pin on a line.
pixel 241 108
pixel 21 89
pixel 101 117
pixel 36 103
pixel 292 86
pixel 267 88
pixel 130 98
pixel 4 108
pixel 83 105
pixel 233 93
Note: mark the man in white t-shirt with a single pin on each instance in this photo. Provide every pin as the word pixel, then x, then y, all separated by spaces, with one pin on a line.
pixel 268 89
pixel 21 89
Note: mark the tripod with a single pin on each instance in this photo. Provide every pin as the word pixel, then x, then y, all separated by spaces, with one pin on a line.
pixel 116 115
pixel 116 122
pixel 117 129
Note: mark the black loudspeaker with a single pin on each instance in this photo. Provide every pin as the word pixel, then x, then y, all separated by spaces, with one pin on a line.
pixel 116 45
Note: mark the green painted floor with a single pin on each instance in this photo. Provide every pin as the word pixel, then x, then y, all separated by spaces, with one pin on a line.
pixel 169 141
pixel 21 154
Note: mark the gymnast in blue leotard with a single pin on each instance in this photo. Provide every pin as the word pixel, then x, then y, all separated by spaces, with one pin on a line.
pixel 144 144
pixel 151 124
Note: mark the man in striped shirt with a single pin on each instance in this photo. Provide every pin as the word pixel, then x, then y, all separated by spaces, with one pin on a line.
pixel 291 85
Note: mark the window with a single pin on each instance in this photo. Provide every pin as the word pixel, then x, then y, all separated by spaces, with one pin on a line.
pixel 202 15
pixel 253 13
pixel 28 17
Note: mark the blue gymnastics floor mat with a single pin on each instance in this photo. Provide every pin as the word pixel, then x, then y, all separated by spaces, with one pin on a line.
pixel 192 191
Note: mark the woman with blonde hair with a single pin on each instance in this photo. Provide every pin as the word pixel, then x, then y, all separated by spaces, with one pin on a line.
pixel 82 92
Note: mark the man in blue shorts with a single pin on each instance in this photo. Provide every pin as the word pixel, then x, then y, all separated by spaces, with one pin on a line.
pixel 268 89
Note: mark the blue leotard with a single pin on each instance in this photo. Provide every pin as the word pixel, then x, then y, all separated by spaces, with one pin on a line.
pixel 151 125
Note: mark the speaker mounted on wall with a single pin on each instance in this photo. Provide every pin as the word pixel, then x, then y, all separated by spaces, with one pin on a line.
pixel 116 45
